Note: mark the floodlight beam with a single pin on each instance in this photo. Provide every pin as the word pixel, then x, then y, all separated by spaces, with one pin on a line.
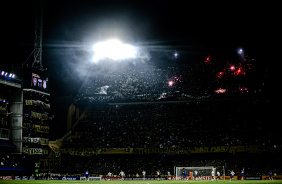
pixel 114 50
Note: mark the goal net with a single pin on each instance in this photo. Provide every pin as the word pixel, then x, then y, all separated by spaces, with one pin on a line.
pixel 195 173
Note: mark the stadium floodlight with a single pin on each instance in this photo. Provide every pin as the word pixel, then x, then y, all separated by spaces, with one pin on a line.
pixel 240 51
pixel 114 50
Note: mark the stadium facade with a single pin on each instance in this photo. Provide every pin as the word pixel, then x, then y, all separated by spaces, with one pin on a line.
pixel 25 107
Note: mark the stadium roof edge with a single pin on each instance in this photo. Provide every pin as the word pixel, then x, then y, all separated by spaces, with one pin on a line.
pixel 9 83
pixel 44 93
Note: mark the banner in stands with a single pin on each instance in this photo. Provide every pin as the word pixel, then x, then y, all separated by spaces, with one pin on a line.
pixel 34 151
pixel 115 151
pixel 82 151
pixel 178 150
pixel 3 110
pixel 172 151
pixel 37 102
pixel 31 140
pixel 39 115
pixel 92 151
pixel 41 128
pixel 36 115
pixel 218 149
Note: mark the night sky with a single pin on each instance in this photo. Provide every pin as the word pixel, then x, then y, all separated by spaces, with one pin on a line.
pixel 71 27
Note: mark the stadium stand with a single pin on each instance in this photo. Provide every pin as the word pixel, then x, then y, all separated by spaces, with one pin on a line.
pixel 158 117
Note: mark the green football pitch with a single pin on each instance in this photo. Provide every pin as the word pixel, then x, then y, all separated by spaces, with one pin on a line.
pixel 138 182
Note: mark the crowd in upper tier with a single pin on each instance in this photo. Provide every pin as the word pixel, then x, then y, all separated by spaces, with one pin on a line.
pixel 196 124
pixel 145 82
pixel 218 123
pixel 204 121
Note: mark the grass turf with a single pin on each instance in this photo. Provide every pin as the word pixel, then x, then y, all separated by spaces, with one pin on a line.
pixel 138 182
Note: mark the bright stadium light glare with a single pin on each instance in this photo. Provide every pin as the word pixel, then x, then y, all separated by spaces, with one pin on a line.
pixel 240 51
pixel 113 49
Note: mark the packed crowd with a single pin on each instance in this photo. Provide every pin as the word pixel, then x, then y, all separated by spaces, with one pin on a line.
pixel 136 83
pixel 217 123
pixel 145 82
pixel 205 121
pixel 170 125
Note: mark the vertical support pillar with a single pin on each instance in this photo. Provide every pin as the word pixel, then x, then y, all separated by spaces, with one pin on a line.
pixel 16 119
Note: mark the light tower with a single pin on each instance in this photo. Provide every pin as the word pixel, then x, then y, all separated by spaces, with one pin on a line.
pixel 37 62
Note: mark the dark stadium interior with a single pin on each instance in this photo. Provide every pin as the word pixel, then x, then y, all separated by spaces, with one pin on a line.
pixel 198 93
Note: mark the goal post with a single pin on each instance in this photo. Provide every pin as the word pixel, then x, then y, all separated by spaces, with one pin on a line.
pixel 204 173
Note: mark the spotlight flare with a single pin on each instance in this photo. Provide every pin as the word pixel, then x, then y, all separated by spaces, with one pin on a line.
pixel 114 50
